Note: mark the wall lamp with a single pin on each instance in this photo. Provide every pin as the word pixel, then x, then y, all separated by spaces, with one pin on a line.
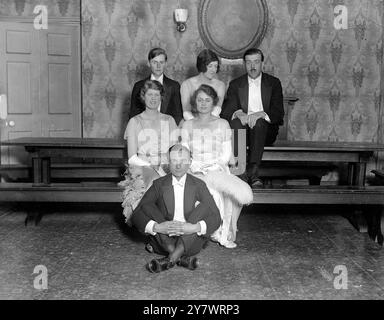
pixel 181 17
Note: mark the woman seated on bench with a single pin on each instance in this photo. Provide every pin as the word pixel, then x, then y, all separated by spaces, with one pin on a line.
pixel 209 139
pixel 149 136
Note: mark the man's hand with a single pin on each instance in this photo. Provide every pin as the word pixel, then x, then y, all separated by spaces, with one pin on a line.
pixel 176 228
pixel 243 117
pixel 253 117
pixel 189 228
pixel 168 227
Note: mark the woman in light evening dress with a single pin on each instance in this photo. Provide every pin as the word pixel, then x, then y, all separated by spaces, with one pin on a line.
pixel 209 139
pixel 149 136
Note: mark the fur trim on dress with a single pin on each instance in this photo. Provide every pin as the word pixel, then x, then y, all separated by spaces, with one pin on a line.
pixel 229 185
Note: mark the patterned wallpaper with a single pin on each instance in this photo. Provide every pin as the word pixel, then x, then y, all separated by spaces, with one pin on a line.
pixel 56 8
pixel 336 74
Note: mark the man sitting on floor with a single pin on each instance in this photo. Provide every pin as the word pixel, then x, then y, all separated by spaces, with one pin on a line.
pixel 178 213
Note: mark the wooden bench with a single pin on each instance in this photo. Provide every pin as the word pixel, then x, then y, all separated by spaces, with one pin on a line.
pixel 65 172
pixel 355 155
pixel 369 199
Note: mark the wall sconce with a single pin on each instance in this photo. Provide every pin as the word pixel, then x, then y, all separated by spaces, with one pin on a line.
pixel 181 17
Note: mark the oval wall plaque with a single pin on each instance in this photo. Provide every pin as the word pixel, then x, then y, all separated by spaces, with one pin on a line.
pixel 229 27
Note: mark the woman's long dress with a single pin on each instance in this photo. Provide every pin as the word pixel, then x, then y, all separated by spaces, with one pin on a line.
pixel 154 137
pixel 207 149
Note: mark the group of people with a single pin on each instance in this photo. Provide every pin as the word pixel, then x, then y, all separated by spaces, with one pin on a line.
pixel 178 188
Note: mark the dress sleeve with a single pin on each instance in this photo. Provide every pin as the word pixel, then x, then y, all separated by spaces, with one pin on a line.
pixel 221 93
pixel 184 133
pixel 131 136
pixel 226 152
pixel 185 93
pixel 174 131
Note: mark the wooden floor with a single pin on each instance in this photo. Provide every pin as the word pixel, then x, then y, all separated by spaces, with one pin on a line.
pixel 283 253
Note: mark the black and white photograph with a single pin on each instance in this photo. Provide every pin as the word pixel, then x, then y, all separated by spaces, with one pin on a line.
pixel 191 155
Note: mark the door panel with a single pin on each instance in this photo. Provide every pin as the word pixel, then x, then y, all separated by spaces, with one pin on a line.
pixel 60 74
pixel 19 88
pixel 19 80
pixel 40 74
pixel 18 41
pixel 59 89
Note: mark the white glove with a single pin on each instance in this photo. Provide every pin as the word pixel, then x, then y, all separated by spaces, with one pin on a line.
pixel 227 153
pixel 216 111
pixel 187 115
pixel 136 161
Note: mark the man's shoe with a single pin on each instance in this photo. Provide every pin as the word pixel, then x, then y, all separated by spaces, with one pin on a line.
pixel 190 263
pixel 158 265
pixel 149 248
pixel 256 183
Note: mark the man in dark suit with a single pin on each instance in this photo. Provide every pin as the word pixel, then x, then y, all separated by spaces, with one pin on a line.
pixel 254 102
pixel 178 213
pixel 171 104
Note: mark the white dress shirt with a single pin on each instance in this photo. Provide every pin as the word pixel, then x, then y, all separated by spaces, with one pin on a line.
pixel 255 103
pixel 254 95
pixel 161 80
pixel 178 190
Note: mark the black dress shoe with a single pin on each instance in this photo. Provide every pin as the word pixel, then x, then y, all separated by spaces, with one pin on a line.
pixel 190 263
pixel 256 183
pixel 158 265
pixel 149 248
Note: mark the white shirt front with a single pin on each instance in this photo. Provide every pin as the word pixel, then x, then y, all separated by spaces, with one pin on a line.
pixel 255 104
pixel 161 80
pixel 178 191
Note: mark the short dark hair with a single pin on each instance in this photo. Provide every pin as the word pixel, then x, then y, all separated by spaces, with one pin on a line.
pixel 204 58
pixel 157 52
pixel 253 51
pixel 208 90
pixel 151 84
pixel 178 146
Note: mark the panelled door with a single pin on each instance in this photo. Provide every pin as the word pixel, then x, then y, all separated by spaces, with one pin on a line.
pixel 40 74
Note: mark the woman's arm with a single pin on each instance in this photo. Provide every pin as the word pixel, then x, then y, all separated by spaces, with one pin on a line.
pixel 132 145
pixel 174 132
pixel 221 93
pixel 186 100
pixel 226 152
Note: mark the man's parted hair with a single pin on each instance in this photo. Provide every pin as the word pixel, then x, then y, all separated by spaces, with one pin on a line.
pixel 252 51
pixel 157 52
pixel 179 147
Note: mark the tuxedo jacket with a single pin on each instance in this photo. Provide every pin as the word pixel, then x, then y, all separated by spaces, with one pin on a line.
pixel 171 103
pixel 271 96
pixel 162 195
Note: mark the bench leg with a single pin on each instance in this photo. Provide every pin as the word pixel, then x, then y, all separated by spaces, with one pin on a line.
pixel 373 216
pixel 35 213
